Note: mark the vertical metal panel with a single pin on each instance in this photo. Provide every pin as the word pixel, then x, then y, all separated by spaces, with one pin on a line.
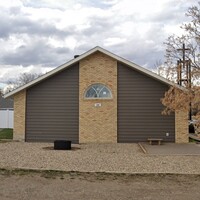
pixel 139 108
pixel 52 111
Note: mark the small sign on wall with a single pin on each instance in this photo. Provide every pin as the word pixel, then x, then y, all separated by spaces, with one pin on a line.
pixel 97 104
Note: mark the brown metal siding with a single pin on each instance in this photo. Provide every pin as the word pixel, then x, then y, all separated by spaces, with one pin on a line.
pixel 139 108
pixel 53 108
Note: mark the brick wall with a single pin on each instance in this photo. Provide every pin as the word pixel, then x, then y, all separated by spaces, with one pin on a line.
pixel 181 127
pixel 98 124
pixel 19 115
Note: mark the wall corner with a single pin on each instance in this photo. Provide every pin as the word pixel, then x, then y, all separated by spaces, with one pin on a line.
pixel 181 126
pixel 19 115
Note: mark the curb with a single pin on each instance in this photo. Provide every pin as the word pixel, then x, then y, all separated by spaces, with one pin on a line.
pixel 142 148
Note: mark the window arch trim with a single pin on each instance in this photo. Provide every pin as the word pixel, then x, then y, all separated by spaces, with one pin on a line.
pixel 98 91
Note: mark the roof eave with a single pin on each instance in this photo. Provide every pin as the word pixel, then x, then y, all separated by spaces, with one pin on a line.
pixel 77 59
pixel 143 70
pixel 48 74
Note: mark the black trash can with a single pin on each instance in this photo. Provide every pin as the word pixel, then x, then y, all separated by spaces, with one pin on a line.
pixel 62 145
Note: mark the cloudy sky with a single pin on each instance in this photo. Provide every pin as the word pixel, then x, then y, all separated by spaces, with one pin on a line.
pixel 39 35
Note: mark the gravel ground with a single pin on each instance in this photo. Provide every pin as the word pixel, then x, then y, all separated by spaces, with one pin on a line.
pixel 93 186
pixel 122 158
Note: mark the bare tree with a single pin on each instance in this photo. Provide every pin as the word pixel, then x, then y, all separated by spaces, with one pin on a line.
pixel 191 39
pixel 27 77
pixel 23 79
pixel 174 98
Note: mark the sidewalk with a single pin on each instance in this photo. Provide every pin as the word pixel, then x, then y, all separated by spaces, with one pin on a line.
pixel 172 149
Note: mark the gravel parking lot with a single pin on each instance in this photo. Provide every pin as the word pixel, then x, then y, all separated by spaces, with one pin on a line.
pixel 120 158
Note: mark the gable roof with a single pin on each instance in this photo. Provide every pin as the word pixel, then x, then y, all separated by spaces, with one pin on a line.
pixel 80 57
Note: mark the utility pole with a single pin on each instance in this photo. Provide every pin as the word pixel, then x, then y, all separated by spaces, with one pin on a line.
pixel 184 72
pixel 184 69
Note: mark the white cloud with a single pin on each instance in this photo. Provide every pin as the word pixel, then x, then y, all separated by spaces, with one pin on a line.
pixel 41 34
pixel 114 41
pixel 14 71
pixel 10 3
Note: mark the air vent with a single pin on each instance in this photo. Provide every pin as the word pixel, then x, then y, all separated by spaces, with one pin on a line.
pixel 76 56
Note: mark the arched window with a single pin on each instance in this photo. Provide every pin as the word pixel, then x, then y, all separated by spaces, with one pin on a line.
pixel 98 91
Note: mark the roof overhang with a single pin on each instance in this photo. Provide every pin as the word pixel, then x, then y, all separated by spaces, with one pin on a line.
pixel 88 53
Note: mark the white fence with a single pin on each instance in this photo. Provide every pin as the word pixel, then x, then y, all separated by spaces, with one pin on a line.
pixel 6 118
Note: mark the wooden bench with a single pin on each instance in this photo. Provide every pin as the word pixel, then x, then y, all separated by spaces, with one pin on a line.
pixel 158 140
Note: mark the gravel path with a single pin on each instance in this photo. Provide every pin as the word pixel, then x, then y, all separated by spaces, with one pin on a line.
pixel 123 158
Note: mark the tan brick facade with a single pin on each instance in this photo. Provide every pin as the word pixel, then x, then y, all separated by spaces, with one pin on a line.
pixel 98 124
pixel 19 115
pixel 181 127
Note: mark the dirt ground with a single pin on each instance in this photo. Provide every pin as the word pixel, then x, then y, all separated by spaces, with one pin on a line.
pixel 22 185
